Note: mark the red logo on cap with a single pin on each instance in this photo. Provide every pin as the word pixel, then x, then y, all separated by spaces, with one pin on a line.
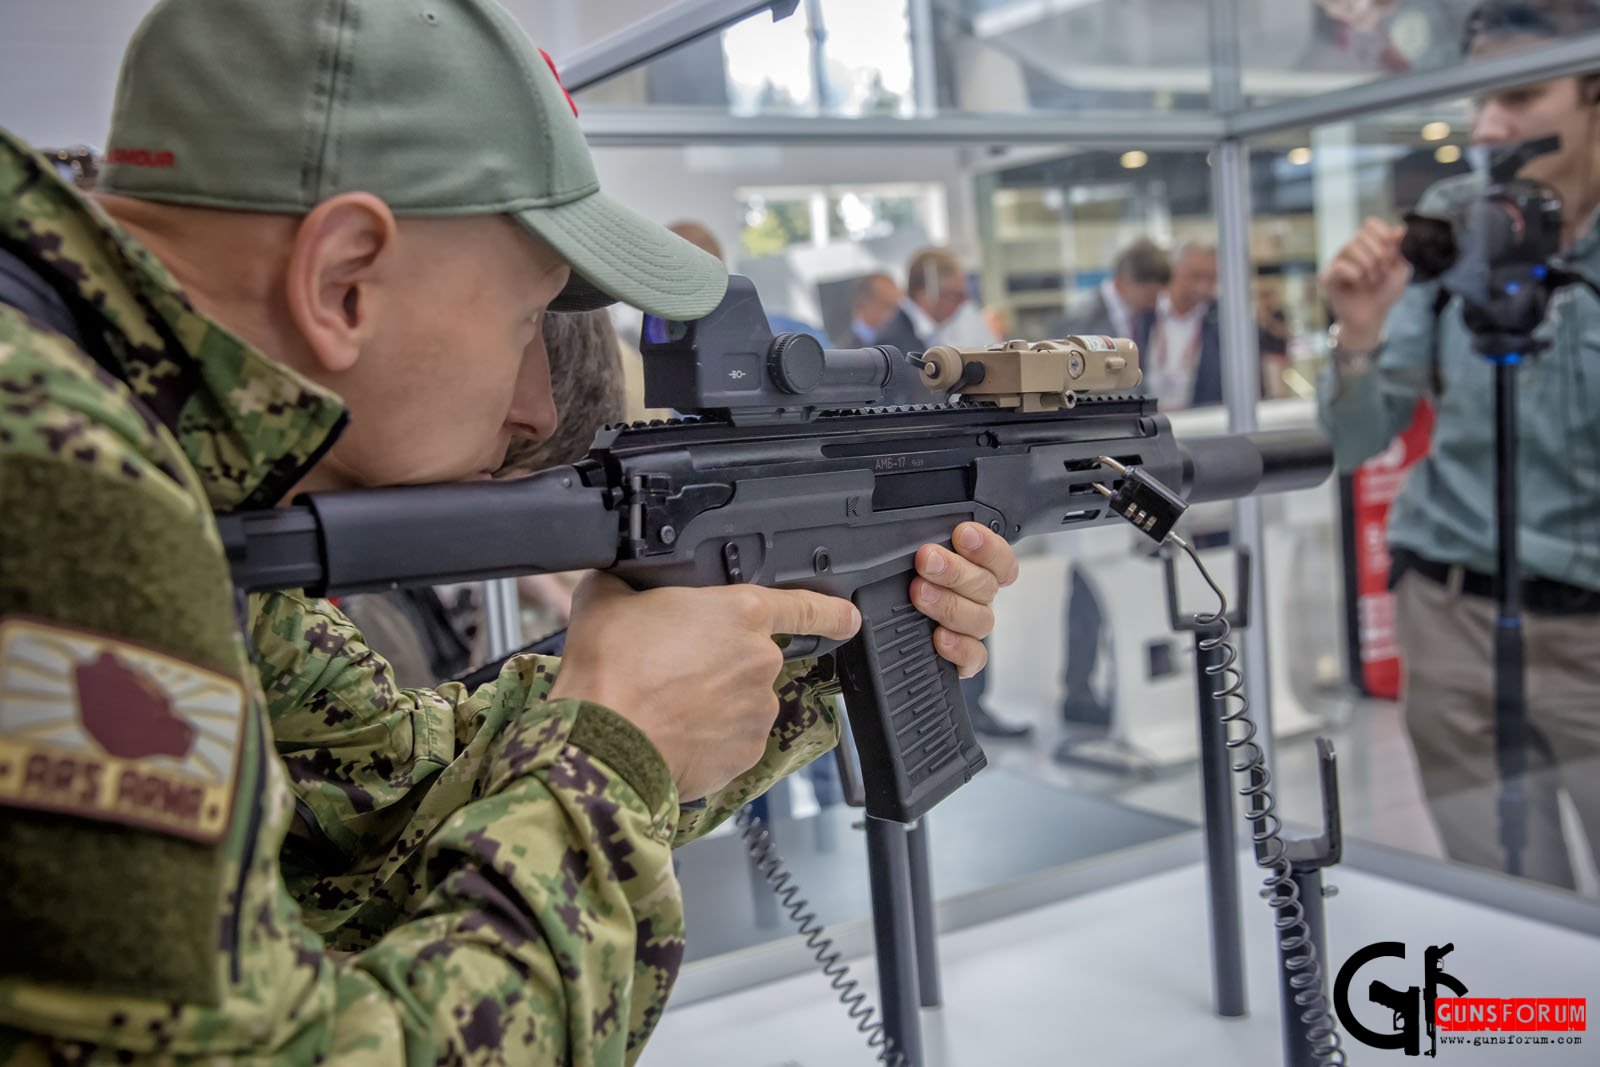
pixel 557 74
pixel 141 157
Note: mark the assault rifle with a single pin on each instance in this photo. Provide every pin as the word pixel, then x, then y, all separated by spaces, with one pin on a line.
pixel 799 467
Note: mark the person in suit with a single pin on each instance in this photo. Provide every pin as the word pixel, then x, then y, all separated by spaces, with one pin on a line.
pixel 1138 275
pixel 1122 306
pixel 700 235
pixel 1180 350
pixel 935 290
pixel 876 300
pixel 1179 340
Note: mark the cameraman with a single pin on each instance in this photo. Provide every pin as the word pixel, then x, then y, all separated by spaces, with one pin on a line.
pixel 1393 345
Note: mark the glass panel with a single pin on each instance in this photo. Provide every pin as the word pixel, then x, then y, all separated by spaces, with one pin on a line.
pixel 849 58
pixel 831 57
pixel 561 27
pixel 1438 798
pixel 1306 47
pixel 1074 55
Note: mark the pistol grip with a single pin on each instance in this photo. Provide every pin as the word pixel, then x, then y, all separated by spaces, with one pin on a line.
pixel 906 711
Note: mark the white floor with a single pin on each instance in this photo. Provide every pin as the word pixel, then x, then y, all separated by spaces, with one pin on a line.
pixel 1121 977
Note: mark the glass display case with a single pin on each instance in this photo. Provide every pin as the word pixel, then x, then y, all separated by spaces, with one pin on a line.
pixel 1049 134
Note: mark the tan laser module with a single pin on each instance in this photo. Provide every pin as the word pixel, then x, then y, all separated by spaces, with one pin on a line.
pixel 1035 375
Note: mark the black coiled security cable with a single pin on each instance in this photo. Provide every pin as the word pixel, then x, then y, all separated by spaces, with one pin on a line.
pixel 1266 829
pixel 763 851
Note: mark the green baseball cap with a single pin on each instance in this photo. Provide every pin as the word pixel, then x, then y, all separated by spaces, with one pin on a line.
pixel 439 107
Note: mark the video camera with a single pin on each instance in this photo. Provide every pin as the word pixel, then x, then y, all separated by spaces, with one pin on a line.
pixel 1497 251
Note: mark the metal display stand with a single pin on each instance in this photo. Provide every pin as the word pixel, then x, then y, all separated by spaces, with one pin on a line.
pixel 904 932
pixel 1307 858
pixel 1216 788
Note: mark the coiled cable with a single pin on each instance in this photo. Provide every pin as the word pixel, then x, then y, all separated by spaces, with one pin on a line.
pixel 764 853
pixel 1266 831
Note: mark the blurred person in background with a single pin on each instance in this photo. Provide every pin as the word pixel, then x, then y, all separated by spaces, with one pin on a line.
pixel 1179 339
pixel 1272 338
pixel 935 290
pixel 700 235
pixel 1116 308
pixel 970 326
pixel 874 303
pixel 1138 275
pixel 1397 342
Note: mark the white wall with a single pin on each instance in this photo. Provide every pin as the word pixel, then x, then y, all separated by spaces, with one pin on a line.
pixel 59 58
pixel 700 181
pixel 58 66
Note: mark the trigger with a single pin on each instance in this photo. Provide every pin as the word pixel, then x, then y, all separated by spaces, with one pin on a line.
pixel 802 646
pixel 809 646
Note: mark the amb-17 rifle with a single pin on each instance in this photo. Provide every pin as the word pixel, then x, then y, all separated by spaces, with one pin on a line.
pixel 799 467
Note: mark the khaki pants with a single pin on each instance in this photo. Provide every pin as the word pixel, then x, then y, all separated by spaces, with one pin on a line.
pixel 1446 639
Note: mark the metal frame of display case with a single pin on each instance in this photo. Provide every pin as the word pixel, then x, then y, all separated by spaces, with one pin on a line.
pixel 1227 130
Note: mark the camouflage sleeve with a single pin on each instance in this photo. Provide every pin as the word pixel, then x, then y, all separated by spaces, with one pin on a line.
pixel 807 727
pixel 142 901
pixel 369 759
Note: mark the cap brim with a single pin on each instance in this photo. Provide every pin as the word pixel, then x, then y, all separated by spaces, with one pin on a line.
pixel 616 254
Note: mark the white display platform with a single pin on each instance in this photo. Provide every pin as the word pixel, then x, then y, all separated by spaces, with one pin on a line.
pixel 1121 978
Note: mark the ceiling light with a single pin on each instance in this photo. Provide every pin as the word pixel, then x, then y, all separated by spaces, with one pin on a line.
pixel 1436 131
pixel 1299 157
pixel 1447 153
pixel 1134 160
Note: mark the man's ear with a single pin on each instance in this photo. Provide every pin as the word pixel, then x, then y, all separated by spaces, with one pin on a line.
pixel 331 282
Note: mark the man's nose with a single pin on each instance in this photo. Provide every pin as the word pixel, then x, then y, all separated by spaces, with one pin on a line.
pixel 1491 125
pixel 533 408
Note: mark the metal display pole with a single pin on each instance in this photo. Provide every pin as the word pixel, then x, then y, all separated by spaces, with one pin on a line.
pixel 1241 360
pixel 673 127
pixel 895 937
pixel 1573 55
pixel 1308 1035
pixel 923 914
pixel 502 610
pixel 649 38
pixel 1216 789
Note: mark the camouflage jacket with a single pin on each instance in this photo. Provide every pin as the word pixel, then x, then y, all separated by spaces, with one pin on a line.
pixel 226 834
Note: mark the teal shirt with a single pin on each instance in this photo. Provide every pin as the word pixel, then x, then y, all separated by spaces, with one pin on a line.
pixel 1446 510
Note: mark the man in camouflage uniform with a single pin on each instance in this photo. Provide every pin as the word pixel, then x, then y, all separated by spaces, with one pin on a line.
pixel 226 835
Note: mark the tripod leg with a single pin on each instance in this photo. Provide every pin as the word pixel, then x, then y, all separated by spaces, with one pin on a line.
pixel 1510 704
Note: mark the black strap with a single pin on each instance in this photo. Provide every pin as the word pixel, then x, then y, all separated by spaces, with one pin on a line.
pixel 550 645
pixel 1441 300
pixel 26 290
pixel 40 293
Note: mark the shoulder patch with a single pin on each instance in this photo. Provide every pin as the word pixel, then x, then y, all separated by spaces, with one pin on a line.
pixel 99 727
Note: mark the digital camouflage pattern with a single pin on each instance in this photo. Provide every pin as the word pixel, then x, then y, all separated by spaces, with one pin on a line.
pixel 408 876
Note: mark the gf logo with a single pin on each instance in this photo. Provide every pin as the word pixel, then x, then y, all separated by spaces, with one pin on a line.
pixel 1405 1006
